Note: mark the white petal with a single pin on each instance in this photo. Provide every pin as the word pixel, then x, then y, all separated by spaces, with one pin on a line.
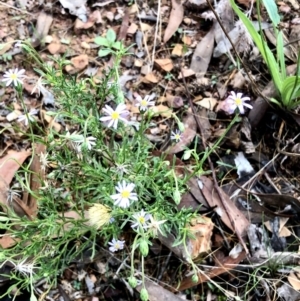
pixel 248 106
pixel 241 108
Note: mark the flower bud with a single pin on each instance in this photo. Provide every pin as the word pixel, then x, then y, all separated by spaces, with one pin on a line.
pixel 181 126
pixel 195 278
pixel 144 248
pixel 132 281
pixel 144 294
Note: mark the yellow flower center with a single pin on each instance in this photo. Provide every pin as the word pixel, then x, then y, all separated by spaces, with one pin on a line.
pixel 177 137
pixel 238 101
pixel 115 115
pixel 142 220
pixel 117 246
pixel 125 194
pixel 13 76
pixel 144 103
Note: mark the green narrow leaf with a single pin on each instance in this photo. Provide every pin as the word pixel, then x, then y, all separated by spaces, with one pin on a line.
pixel 280 54
pixel 262 46
pixel 272 10
pixel 290 90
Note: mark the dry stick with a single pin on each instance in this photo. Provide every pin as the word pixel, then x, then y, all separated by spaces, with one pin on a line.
pixel 225 205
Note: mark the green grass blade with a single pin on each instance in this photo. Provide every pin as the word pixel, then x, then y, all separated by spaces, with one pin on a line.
pixel 262 46
pixel 272 10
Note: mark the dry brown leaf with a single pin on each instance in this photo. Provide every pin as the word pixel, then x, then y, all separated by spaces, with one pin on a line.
pixel 203 52
pixel 186 40
pixel 240 221
pixel 6 241
pixel 37 175
pixel 201 228
pixel 208 103
pixel 132 29
pixel 186 73
pixel 93 18
pixel 175 20
pixel 293 278
pixel 43 24
pixel 51 121
pixel 71 215
pixel 4 48
pixel 9 164
pixel 80 61
pixel 165 64
pixel 177 50
pixel 150 78
pixel 283 231
pixel 146 27
pixel 174 101
pixel 54 47
pixel 162 110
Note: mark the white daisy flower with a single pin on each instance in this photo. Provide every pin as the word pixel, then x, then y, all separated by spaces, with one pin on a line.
pixel 141 219
pixel 176 136
pixel 114 116
pixel 28 117
pixel 124 195
pixel 144 103
pixel 116 245
pixel 235 100
pixel 154 226
pixel 13 76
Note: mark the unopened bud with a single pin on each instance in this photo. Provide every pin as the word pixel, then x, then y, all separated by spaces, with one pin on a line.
pixel 132 281
pixel 195 278
pixel 144 294
pixel 144 248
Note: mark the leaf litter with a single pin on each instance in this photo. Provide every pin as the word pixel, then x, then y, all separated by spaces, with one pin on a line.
pixel 264 197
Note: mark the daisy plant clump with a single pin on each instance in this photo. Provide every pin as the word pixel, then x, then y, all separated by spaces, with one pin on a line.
pixel 100 186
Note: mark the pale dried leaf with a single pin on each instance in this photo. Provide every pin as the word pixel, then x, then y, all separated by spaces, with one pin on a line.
pixel 203 52
pixel 175 20
pixel 208 103
pixel 186 73
pixel 177 50
pixel 43 25
pixel 293 278
pixel 162 110
pixel 165 64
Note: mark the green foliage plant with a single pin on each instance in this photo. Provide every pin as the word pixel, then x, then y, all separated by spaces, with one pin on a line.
pixel 288 87
pixel 83 164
